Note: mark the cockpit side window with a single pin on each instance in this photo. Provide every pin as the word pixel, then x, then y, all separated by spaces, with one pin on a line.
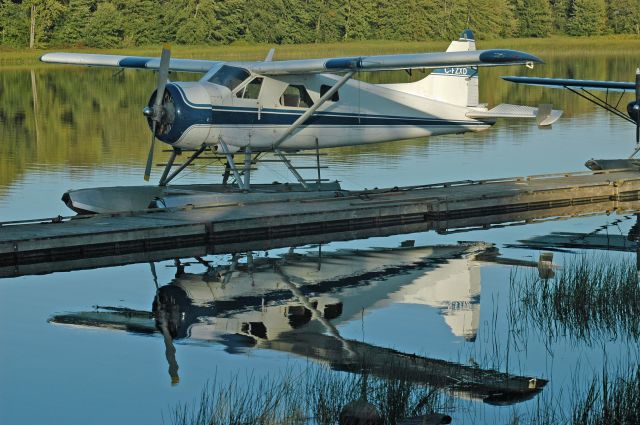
pixel 325 88
pixel 229 76
pixel 251 90
pixel 296 96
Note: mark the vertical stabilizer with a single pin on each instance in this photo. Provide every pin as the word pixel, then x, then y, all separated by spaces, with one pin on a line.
pixel 455 85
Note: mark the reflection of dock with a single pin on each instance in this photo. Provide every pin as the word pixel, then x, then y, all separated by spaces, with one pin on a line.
pixel 570 240
pixel 242 226
pixel 295 304
pixel 490 386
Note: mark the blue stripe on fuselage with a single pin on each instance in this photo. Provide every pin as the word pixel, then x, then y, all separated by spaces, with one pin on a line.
pixel 238 115
pixel 224 116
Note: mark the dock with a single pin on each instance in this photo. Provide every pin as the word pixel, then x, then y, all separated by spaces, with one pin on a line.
pixel 45 245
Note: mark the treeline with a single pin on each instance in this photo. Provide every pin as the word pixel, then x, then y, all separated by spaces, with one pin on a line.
pixel 120 23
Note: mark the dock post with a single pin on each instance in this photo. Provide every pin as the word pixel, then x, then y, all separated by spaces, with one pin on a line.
pixel 318 162
pixel 247 168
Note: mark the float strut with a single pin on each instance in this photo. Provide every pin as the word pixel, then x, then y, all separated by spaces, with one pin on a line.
pixel 167 168
pixel 192 158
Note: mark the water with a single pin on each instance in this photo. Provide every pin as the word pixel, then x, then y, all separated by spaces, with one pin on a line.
pixel 86 130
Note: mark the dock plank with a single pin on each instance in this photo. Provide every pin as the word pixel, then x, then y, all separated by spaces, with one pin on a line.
pixel 438 206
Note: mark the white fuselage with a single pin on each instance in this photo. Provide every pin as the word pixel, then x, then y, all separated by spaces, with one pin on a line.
pixel 362 113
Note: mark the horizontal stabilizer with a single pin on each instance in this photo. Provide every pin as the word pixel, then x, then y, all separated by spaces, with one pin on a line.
pixel 574 84
pixel 543 114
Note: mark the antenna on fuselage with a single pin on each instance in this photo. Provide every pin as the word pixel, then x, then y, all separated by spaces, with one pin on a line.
pixel 269 57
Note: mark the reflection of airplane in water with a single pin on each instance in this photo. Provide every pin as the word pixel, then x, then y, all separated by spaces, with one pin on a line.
pixel 294 304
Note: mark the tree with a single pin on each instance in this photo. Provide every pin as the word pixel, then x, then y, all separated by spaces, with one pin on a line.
pixel 267 22
pixel 587 17
pixel 105 28
pixel 559 15
pixel 141 21
pixel 232 22
pixel 624 16
pixel 491 18
pixel 534 18
pixel 358 16
pixel 46 15
pixel 73 29
pixel 328 20
pixel 195 22
pixel 14 24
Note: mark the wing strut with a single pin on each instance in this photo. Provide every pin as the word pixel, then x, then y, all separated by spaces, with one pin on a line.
pixel 603 103
pixel 304 117
pixel 231 164
pixel 301 120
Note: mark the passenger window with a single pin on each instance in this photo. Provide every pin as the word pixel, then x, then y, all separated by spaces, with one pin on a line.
pixel 296 96
pixel 325 88
pixel 251 90
pixel 229 76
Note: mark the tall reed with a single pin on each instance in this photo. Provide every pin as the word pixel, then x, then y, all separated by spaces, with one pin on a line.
pixel 310 395
pixel 591 299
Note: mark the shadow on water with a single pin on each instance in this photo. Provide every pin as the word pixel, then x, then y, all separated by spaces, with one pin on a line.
pixel 295 303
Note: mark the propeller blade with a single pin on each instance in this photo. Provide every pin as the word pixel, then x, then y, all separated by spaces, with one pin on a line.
pixel 156 114
pixel 163 74
pixel 637 106
pixel 147 169
pixel 638 85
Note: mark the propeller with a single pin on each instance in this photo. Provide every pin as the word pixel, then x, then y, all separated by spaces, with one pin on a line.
pixel 155 114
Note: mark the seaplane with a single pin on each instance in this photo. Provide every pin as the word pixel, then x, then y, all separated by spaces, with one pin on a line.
pixel 283 107
pixel 614 92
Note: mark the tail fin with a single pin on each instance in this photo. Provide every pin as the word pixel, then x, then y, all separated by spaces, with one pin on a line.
pixel 455 85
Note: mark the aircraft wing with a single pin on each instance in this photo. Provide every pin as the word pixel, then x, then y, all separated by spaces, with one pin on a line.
pixel 574 84
pixel 493 57
pixel 119 61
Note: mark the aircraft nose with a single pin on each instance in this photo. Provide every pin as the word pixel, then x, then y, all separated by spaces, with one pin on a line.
pixel 166 113
pixel 184 106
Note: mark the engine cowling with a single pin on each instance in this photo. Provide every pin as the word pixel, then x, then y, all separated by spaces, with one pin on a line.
pixel 184 106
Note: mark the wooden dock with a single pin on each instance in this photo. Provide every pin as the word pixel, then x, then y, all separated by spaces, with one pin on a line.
pixel 33 246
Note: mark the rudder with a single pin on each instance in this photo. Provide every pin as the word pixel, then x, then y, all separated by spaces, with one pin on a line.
pixel 454 85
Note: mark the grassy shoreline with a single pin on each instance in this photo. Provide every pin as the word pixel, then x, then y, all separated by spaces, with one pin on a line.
pixel 579 46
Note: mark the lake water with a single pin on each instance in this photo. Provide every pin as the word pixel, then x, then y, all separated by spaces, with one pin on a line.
pixel 62 360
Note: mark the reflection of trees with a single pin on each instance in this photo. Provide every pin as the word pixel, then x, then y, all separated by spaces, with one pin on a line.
pixel 86 117
pixel 89 116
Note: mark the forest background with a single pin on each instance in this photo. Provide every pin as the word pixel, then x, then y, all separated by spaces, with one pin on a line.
pixel 127 23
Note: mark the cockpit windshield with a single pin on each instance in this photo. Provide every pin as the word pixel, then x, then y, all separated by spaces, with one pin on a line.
pixel 229 76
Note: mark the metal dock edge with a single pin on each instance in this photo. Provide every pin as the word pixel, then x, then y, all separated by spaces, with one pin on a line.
pixel 269 224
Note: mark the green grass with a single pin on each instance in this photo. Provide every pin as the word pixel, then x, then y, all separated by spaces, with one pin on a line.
pixel 552 46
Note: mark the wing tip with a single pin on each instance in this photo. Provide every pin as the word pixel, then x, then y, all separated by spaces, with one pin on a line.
pixel 505 56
